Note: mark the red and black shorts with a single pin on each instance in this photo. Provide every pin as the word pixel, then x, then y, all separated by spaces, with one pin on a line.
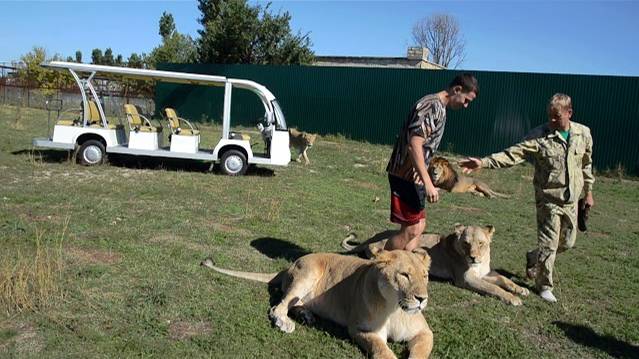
pixel 407 201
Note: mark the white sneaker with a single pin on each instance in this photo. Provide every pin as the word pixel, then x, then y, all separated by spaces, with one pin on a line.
pixel 547 296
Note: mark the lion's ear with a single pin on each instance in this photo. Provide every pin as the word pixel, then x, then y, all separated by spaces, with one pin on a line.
pixel 375 250
pixel 459 229
pixel 381 256
pixel 489 230
pixel 423 255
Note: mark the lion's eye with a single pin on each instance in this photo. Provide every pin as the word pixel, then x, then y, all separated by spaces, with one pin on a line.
pixel 405 275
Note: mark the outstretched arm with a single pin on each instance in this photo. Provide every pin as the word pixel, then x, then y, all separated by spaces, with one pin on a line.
pixel 509 157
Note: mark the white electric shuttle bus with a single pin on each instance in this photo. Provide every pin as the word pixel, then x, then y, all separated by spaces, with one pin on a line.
pixel 92 137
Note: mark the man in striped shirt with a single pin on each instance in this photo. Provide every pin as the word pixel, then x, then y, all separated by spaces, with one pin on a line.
pixel 418 140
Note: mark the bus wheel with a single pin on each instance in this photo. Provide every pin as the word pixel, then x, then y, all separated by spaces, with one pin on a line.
pixel 91 153
pixel 234 163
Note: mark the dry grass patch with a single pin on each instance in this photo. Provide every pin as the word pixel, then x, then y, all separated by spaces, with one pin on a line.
pixel 30 281
pixel 182 330
pixel 95 256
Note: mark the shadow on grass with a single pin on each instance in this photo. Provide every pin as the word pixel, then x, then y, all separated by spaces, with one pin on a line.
pixel 146 162
pixel 278 248
pixel 47 156
pixel 587 337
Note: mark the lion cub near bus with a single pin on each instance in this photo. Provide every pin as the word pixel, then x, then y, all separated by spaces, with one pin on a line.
pixel 302 141
pixel 462 256
pixel 376 300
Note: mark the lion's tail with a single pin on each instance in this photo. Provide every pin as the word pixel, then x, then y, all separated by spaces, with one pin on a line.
pixel 350 242
pixel 260 277
pixel 499 195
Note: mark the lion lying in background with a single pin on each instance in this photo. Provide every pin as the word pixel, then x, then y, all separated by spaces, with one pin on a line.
pixel 462 256
pixel 444 176
pixel 376 299
pixel 302 141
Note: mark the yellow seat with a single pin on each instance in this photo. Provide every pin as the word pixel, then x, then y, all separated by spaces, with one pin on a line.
pixel 174 124
pixel 137 122
pixel 239 136
pixel 65 122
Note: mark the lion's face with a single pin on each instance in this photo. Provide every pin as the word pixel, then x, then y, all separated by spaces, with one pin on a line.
pixel 404 276
pixel 473 243
pixel 310 139
pixel 439 170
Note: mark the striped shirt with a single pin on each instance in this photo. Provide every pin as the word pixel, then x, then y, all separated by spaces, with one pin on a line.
pixel 426 119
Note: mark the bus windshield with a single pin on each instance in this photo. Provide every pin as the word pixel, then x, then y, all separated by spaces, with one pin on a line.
pixel 280 122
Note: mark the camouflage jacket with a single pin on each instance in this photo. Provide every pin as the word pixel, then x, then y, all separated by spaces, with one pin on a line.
pixel 562 169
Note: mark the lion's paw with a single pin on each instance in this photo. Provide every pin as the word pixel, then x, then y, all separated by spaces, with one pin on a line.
pixel 285 324
pixel 524 292
pixel 516 301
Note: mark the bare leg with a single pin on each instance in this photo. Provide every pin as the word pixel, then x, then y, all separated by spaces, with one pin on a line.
pixel 407 238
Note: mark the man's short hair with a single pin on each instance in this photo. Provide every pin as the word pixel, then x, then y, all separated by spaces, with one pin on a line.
pixel 559 102
pixel 467 81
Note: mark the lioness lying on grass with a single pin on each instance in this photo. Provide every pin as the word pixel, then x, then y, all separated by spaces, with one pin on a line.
pixel 462 256
pixel 376 299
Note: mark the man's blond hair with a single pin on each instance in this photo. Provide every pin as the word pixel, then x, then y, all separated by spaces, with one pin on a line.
pixel 559 102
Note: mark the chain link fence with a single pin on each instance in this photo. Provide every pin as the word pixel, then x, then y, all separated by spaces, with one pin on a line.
pixel 15 96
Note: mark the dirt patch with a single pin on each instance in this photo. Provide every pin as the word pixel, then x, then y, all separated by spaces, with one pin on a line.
pixel 181 330
pixel 25 341
pixel 171 239
pixel 221 227
pixel 366 185
pixel 594 234
pixel 95 256
pixel 466 209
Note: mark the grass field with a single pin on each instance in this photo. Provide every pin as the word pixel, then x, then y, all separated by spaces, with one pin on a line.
pixel 104 261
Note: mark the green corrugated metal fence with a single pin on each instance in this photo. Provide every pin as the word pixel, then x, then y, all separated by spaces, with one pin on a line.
pixel 371 104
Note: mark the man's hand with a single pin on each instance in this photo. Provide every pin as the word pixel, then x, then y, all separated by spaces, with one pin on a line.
pixel 432 194
pixel 590 201
pixel 470 164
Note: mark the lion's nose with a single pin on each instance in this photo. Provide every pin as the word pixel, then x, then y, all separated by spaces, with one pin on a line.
pixel 421 299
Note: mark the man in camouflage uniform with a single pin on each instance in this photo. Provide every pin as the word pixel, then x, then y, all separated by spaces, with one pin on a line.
pixel 562 154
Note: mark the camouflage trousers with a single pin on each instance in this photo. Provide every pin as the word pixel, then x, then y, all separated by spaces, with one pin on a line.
pixel 556 232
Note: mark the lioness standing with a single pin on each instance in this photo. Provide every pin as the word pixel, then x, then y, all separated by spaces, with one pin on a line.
pixel 419 138
pixel 375 299
pixel 302 141
pixel 562 154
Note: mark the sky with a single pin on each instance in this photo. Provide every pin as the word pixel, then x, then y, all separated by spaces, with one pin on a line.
pixel 576 37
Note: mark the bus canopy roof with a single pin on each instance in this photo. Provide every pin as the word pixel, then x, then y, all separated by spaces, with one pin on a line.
pixel 164 76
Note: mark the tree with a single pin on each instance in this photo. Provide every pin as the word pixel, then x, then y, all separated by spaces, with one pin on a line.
pixel 235 32
pixel 96 56
pixel 167 25
pixel 135 61
pixel 69 59
pixel 78 56
pixel 108 57
pixel 175 47
pixel 440 34
pixel 31 74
